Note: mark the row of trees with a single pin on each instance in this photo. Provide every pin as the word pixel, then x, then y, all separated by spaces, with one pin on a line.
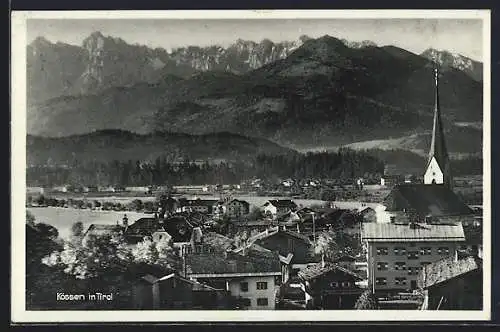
pixel 134 205
pixel 342 164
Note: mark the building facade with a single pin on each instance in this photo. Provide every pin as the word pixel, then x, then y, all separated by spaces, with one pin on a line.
pixel 396 253
pixel 276 207
pixel 237 208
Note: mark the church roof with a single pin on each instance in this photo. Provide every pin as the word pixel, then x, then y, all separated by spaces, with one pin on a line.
pixel 426 199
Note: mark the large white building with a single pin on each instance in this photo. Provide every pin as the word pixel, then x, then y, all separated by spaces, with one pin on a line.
pixel 396 252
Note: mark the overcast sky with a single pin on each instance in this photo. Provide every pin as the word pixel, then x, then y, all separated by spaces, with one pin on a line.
pixel 459 36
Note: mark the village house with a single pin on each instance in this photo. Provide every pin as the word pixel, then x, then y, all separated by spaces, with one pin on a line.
pixel 393 175
pixel 171 291
pixel 99 230
pixel 192 189
pixel 453 283
pixel 251 279
pixel 276 207
pixel 205 206
pixel 286 242
pixel 90 189
pixel 396 252
pixel 237 208
pixel 346 261
pixel 329 286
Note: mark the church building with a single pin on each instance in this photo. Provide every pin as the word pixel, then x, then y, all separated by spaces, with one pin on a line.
pixel 434 199
pixel 438 170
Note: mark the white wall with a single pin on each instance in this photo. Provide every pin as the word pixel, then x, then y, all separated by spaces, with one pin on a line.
pixel 433 172
pixel 253 293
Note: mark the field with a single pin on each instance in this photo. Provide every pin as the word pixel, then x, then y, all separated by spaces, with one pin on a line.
pixel 63 218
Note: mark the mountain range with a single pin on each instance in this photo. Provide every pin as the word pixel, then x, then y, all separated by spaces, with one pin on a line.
pixel 300 94
pixel 115 144
pixel 55 69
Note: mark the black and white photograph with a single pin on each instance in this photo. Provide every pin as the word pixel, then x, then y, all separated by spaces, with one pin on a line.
pixel 246 165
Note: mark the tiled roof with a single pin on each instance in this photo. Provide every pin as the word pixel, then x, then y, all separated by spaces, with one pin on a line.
pixel 389 232
pixel 365 210
pixel 239 201
pixel 446 269
pixel 103 229
pixel 196 285
pixel 217 241
pixel 283 203
pixel 241 223
pixel 143 226
pixel 426 199
pixel 177 227
pixel 318 270
pixel 215 263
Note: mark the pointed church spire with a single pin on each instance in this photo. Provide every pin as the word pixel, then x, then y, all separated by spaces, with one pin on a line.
pixel 438 165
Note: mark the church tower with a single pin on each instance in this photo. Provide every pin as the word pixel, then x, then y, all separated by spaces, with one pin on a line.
pixel 438 165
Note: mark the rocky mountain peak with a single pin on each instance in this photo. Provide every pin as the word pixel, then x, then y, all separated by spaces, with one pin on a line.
pixel 453 60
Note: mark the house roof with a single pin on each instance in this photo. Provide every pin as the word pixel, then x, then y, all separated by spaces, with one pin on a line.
pixel 231 263
pixel 282 203
pixel 389 232
pixel 318 270
pixel 448 268
pixel 242 223
pixel 427 199
pixel 101 229
pixel 366 210
pixel 217 241
pixel 196 285
pixel 178 228
pixel 143 226
pixel 239 201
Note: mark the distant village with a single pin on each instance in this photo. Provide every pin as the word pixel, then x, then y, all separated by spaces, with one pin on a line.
pixel 413 243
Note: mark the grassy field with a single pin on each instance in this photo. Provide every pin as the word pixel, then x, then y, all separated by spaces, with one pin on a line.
pixel 63 218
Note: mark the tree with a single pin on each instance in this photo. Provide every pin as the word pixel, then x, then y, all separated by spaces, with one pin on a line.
pixel 96 257
pixel 160 253
pixel 256 214
pixel 40 200
pixel 136 205
pixel 30 218
pixel 48 231
pixel 367 301
pixel 77 229
pixel 326 245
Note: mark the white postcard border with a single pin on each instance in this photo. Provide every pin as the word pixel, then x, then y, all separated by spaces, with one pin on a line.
pixel 18 176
